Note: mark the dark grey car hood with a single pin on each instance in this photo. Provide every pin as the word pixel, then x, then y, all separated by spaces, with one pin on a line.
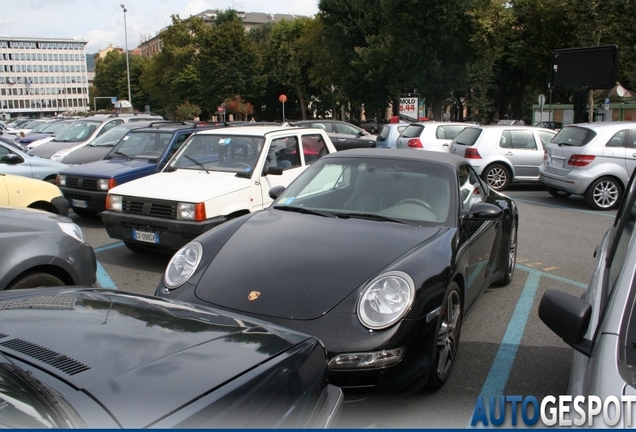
pixel 128 351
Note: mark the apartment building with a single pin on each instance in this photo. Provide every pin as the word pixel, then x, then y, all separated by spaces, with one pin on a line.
pixel 42 76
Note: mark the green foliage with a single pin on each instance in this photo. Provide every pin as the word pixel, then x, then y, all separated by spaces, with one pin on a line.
pixel 187 111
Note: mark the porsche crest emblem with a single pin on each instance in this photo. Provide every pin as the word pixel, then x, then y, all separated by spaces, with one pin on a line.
pixel 253 295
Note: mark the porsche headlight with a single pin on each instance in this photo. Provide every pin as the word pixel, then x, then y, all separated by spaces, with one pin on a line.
pixel 386 299
pixel 183 264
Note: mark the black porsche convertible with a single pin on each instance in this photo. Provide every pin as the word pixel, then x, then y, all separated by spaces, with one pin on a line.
pixel 377 253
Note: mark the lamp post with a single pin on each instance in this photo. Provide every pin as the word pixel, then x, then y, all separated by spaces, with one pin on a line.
pixel 127 64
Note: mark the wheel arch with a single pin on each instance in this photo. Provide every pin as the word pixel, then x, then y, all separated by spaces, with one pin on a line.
pixel 43 205
pixel 58 272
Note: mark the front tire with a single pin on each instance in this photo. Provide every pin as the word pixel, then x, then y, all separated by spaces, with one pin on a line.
pixel 36 280
pixel 497 176
pixel 604 194
pixel 447 341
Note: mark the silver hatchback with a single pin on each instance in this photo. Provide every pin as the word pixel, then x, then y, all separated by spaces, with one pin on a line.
pixel 502 154
pixel 595 160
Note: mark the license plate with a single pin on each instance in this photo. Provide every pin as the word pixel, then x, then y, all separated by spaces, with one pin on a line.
pixel 556 163
pixel 145 236
pixel 79 203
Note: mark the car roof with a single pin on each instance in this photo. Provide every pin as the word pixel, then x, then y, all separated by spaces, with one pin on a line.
pixel 168 126
pixel 603 125
pixel 507 126
pixel 449 159
pixel 253 130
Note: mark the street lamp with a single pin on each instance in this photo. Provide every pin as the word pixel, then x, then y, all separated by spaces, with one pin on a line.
pixel 127 64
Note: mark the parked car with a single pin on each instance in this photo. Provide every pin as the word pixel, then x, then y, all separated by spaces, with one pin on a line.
pixel 142 152
pixel 45 130
pixel 372 125
pixel 106 359
pixel 591 159
pixel 20 191
pixel 41 249
pixel 379 254
pixel 430 135
pixel 599 324
pixel 30 142
pixel 25 128
pixel 557 126
pixel 83 131
pixel 14 161
pixel 103 144
pixel 503 154
pixel 343 135
pixel 387 138
pixel 217 175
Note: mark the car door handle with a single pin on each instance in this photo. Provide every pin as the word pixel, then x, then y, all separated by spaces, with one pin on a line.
pixel 444 145
pixel 510 154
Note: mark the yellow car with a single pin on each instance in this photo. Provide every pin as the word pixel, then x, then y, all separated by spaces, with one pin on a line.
pixel 20 191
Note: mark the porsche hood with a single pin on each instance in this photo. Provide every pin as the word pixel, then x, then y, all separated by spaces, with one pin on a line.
pixel 297 266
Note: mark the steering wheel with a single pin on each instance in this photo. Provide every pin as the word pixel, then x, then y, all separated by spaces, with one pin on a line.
pixel 416 201
pixel 242 165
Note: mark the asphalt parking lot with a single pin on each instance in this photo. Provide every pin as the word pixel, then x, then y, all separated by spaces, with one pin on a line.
pixel 504 350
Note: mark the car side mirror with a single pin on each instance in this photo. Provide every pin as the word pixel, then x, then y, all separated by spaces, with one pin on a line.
pixel 484 211
pixel 276 191
pixel 567 316
pixel 273 171
pixel 11 159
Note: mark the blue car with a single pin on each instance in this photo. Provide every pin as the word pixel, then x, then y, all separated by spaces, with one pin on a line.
pixel 141 152
pixel 14 161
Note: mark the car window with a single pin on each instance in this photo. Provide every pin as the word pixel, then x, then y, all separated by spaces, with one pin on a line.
pixel 470 187
pixel 144 145
pixel 3 152
pixel 78 131
pixel 283 153
pixel 108 126
pixel 617 140
pixel 346 129
pixel 574 136
pixel 313 148
pixel 523 140
pixel 545 136
pixel 631 143
pixel 448 132
pixel 412 131
pixel 178 142
pixel 468 136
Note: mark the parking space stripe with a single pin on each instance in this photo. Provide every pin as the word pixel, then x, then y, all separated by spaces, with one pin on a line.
pixel 592 212
pixel 553 276
pixel 108 247
pixel 103 279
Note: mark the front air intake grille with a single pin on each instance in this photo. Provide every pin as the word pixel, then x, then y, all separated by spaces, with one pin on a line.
pixel 159 209
pixel 81 183
pixel 45 355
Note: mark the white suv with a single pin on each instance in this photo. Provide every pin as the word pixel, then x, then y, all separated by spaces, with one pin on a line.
pixel 217 175
pixel 430 135
pixel 502 154
pixel 595 160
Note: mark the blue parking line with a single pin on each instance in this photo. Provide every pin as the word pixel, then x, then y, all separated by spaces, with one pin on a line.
pixel 497 379
pixel 103 279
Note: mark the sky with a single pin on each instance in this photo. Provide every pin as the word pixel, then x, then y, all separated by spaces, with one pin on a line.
pixel 101 22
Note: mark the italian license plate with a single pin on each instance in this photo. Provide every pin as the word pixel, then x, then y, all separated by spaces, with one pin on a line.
pixel 79 203
pixel 145 236
pixel 556 163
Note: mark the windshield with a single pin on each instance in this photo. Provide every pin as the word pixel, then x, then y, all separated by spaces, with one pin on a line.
pixel 40 126
pixel 219 152
pixel 78 131
pixel 412 131
pixel 416 192
pixel 56 127
pixel 573 136
pixel 26 402
pixel 141 145
pixel 110 138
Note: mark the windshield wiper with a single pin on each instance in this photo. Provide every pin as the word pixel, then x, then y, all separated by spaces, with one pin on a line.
pixel 304 210
pixel 373 216
pixel 123 154
pixel 197 163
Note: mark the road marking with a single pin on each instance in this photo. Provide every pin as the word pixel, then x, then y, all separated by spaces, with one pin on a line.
pixel 103 279
pixel 593 212
pixel 495 383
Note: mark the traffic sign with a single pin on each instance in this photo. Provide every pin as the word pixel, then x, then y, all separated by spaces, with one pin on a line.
pixel 541 100
pixel 282 98
pixel 607 102
pixel 221 108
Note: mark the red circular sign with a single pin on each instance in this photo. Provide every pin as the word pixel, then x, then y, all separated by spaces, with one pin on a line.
pixel 282 98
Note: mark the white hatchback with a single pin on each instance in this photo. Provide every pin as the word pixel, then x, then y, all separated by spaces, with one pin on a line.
pixel 430 135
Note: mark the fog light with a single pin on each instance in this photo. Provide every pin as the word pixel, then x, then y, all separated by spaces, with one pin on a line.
pixel 367 360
